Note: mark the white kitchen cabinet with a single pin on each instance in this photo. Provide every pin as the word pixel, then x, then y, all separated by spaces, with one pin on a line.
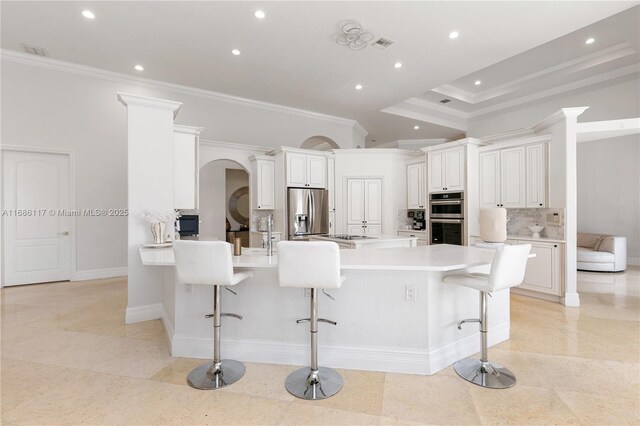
pixel 364 206
pixel 421 235
pixel 331 183
pixel 263 182
pixel 536 175
pixel 447 170
pixel 513 177
pixel 185 166
pixel 306 170
pixel 544 272
pixel 415 185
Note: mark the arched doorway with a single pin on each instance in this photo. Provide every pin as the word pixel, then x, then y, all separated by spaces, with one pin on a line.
pixel 224 200
pixel 319 143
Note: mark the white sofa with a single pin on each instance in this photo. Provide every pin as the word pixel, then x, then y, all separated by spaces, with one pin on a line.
pixel 602 253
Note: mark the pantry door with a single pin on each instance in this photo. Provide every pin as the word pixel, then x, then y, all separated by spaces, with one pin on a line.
pixel 35 235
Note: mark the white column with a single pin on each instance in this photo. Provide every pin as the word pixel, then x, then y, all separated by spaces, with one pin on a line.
pixel 563 177
pixel 150 140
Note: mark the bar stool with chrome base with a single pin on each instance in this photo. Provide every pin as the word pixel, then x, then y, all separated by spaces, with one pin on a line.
pixel 507 270
pixel 210 263
pixel 314 265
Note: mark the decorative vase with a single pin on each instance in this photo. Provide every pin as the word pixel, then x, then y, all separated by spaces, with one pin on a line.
pixel 157 230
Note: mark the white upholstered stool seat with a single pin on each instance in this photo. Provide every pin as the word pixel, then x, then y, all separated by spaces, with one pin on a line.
pixel 313 265
pixel 507 270
pixel 210 263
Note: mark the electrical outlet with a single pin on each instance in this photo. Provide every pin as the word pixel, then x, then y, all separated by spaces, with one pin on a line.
pixel 410 293
pixel 187 288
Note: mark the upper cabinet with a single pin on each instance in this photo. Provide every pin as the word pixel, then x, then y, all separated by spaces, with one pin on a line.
pixel 513 177
pixel 185 166
pixel 263 182
pixel 415 185
pixel 446 170
pixel 306 170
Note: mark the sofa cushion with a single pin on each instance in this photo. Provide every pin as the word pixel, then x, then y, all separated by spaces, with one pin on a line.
pixel 591 241
pixel 591 256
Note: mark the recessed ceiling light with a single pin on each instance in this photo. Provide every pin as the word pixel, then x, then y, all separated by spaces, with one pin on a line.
pixel 590 40
pixel 416 127
pixel 259 14
pixel 397 65
pixel 358 86
pixel 235 52
pixel 453 34
pixel 88 14
pixel 478 83
pixel 139 68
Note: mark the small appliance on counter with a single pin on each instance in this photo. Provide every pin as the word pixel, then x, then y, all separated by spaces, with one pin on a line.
pixel 189 225
pixel 418 222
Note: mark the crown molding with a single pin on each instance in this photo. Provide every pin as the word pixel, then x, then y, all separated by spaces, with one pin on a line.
pixel 360 130
pixel 238 146
pixel 127 99
pixel 69 67
pixel 437 107
pixel 192 130
pixel 557 117
pixel 580 63
pixel 398 110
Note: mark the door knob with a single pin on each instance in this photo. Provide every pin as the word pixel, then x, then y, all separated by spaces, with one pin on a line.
pixel 64 233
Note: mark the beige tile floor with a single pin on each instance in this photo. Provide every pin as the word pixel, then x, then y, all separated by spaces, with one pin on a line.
pixel 68 358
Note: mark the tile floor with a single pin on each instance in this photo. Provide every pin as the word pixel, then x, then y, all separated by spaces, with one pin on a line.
pixel 68 358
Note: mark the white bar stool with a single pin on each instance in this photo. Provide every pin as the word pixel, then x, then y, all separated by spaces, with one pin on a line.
pixel 507 270
pixel 210 263
pixel 314 265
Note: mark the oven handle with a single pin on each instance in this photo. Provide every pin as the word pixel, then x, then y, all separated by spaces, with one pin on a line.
pixel 446 201
pixel 445 220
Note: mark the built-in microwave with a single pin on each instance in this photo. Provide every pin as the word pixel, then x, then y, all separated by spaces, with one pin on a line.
pixel 446 205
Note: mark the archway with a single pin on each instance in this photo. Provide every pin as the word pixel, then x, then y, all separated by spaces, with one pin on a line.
pixel 224 200
pixel 319 143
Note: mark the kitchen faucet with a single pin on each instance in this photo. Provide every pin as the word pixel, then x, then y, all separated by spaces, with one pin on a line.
pixel 269 235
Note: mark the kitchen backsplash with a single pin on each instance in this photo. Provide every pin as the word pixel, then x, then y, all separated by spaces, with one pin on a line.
pixel 551 219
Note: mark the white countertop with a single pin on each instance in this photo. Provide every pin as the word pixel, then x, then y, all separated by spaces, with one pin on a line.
pixel 529 238
pixel 437 258
pixel 369 240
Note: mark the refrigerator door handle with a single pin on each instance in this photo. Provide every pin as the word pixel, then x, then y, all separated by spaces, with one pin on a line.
pixel 312 216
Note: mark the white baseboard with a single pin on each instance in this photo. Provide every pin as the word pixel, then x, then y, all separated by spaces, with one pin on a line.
pixel 571 299
pixel 96 274
pixel 635 261
pixel 396 360
pixel 144 313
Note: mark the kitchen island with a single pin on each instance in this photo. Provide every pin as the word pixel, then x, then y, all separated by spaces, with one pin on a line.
pixel 394 312
pixel 368 242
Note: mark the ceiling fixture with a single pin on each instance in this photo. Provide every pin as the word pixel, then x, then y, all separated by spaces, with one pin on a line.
pixel 382 43
pixel 453 34
pixel 88 14
pixel 416 127
pixel 478 83
pixel 259 14
pixel 353 35
pixel 235 52
pixel 358 86
pixel 397 65
pixel 590 40
pixel 444 101
pixel 139 68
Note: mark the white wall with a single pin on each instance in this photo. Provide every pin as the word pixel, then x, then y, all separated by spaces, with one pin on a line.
pixel 52 104
pixel 608 181
pixel 609 190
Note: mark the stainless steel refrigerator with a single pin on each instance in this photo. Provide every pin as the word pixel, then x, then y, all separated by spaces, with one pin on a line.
pixel 308 212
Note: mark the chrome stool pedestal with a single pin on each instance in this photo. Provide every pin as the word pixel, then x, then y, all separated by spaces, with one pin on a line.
pixel 314 382
pixel 481 372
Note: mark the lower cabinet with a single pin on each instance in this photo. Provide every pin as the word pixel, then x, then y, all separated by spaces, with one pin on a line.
pixel 364 229
pixel 544 272
pixel 422 236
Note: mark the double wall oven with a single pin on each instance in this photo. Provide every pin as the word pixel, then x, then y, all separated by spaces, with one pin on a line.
pixel 446 218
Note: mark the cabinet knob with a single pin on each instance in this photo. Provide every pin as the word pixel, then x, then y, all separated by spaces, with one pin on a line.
pixel 540 204
pixel 555 245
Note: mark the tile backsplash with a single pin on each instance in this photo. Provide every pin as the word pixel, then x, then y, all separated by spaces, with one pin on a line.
pixel 551 219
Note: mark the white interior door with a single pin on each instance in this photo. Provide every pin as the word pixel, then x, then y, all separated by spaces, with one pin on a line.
pixel 36 245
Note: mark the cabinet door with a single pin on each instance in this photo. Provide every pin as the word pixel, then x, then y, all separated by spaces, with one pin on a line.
pixel 536 176
pixel 373 201
pixel 422 185
pixel 454 170
pixel 436 171
pixel 316 171
pixel 490 179
pixel 266 185
pixel 185 171
pixel 372 229
pixel 296 170
pixel 331 184
pixel 332 222
pixel 414 196
pixel 543 271
pixel 355 230
pixel 512 177
pixel 355 202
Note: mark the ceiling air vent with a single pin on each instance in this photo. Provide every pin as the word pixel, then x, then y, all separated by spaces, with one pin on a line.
pixel 444 101
pixel 382 43
pixel 40 51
